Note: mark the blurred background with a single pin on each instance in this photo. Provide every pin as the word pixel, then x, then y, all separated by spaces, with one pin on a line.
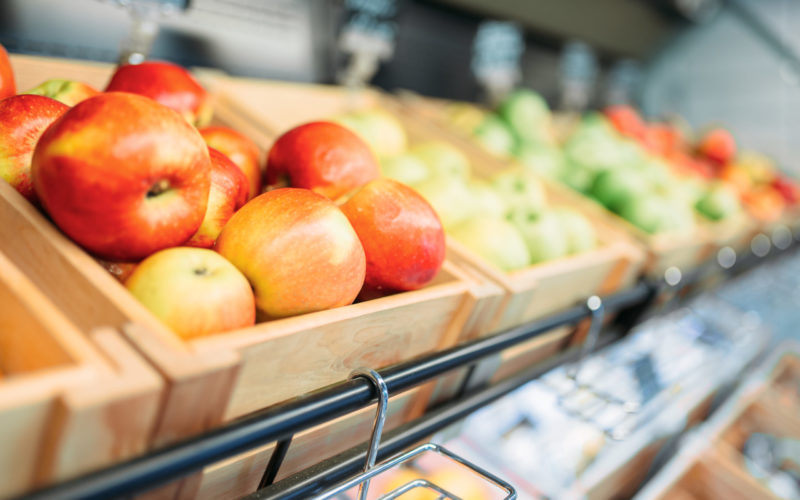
pixel 710 61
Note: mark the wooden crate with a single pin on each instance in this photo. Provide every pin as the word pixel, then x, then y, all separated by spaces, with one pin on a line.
pixel 68 404
pixel 270 108
pixel 221 377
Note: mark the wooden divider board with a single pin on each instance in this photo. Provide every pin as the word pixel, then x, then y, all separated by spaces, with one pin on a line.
pixel 68 404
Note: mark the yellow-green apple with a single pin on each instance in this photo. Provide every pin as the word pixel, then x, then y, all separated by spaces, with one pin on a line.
pixel 494 239
pixel 242 151
pixel 443 159
pixel 324 157
pixel 194 291
pixel 616 188
pixel 69 92
pixel 527 114
pixel 487 199
pixel 23 119
pixel 543 233
pixel 581 235
pixel 227 195
pixel 520 189
pixel 170 84
pixel 123 175
pixel 450 197
pixel 495 136
pixel 718 202
pixel 405 168
pixel 382 131
pixel 297 249
pixel 7 85
pixel 402 236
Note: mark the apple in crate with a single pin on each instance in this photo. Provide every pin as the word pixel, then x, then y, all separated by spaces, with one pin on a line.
pixel 543 233
pixel 170 84
pixel 67 91
pixel 494 239
pixel 520 189
pixel 402 236
pixel 718 145
pixel 227 195
pixel 443 159
pixel 242 152
pixel 194 291
pixel 123 176
pixel 7 85
pixel 297 249
pixel 324 157
pixel 23 119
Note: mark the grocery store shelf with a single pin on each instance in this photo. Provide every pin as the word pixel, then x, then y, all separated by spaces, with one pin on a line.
pixel 279 423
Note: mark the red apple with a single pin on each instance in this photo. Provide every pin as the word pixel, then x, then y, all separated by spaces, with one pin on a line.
pixel 627 121
pixel 7 85
pixel 322 156
pixel 123 176
pixel 67 91
pixel 23 119
pixel 228 194
pixel 718 145
pixel 298 251
pixel 118 269
pixel 242 151
pixel 167 83
pixel 194 291
pixel 402 236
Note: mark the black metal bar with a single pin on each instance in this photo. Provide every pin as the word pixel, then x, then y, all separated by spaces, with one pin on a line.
pixel 275 462
pixel 340 467
pixel 278 422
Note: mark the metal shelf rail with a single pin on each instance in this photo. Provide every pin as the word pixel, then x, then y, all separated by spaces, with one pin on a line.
pixel 279 423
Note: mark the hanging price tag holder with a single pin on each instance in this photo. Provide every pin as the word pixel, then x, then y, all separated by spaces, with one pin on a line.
pixel 496 56
pixel 366 39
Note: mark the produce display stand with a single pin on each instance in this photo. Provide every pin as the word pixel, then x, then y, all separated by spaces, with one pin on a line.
pixel 710 463
pixel 279 423
pixel 684 250
pixel 69 403
pixel 218 378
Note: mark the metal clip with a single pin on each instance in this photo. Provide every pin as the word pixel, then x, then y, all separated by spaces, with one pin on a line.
pixel 380 419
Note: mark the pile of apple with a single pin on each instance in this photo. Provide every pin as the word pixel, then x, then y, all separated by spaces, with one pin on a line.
pixel 505 219
pixel 714 158
pixel 178 211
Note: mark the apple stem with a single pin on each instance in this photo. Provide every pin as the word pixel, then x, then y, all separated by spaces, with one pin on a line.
pixel 159 187
pixel 201 271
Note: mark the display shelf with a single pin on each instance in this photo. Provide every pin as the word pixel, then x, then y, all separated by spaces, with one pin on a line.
pixel 279 423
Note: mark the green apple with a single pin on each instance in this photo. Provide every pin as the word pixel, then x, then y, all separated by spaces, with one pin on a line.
pixel 542 159
pixel 719 202
pixel 495 240
pixel 527 114
pixel 405 168
pixel 577 177
pixel 543 233
pixel 648 213
pixel 450 197
pixel 443 159
pixel 520 189
pixel 194 291
pixel 488 201
pixel 581 235
pixel 616 188
pixel 378 128
pixel 495 136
